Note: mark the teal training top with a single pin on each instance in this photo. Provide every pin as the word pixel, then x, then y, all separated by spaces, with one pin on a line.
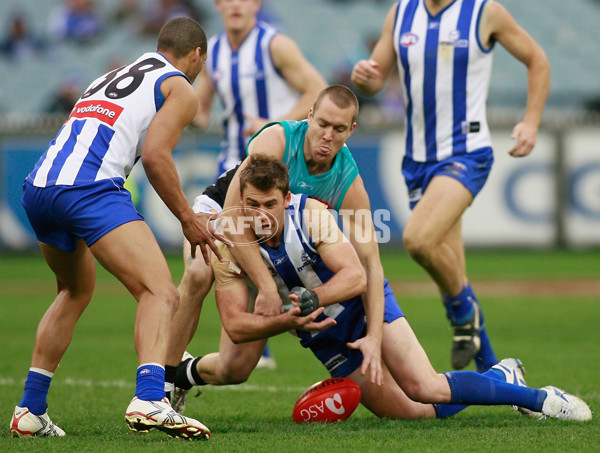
pixel 329 187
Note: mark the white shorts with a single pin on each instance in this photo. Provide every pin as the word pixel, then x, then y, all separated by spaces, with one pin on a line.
pixel 203 204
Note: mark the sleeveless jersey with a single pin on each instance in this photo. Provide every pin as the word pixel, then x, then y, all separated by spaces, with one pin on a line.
pixel 102 137
pixel 329 187
pixel 445 72
pixel 246 82
pixel 296 262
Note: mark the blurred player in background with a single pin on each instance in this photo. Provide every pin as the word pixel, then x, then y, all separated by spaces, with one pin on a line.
pixel 259 75
pixel 79 210
pixel 443 49
pixel 320 279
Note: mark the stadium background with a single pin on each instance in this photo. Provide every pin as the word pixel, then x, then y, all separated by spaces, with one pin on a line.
pixel 533 237
pixel 550 199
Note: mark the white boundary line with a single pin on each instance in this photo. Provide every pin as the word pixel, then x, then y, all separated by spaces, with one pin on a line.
pixel 7 382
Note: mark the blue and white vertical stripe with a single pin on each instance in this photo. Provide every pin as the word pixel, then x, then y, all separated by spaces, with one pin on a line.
pixel 247 83
pixel 445 73
pixel 296 261
pixel 102 137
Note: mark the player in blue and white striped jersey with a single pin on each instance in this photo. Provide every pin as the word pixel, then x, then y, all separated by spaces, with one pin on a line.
pixel 443 50
pixel 79 210
pixel 259 75
pixel 320 279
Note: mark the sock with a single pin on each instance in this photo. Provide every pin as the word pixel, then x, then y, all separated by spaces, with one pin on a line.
pixel 447 410
pixel 485 358
pixel 469 387
pixel 267 351
pixel 459 309
pixel 35 395
pixel 150 382
pixel 187 376
pixel 170 372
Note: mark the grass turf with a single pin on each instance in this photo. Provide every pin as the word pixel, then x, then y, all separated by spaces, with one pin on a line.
pixel 556 336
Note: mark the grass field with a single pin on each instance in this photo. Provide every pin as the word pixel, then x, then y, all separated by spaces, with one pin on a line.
pixel 542 307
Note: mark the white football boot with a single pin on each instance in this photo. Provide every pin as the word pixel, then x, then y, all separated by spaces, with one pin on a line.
pixel 563 405
pixel 514 371
pixel 142 416
pixel 26 424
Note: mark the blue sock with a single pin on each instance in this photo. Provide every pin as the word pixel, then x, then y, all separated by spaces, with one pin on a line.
pixel 485 358
pixel 150 382
pixel 36 392
pixel 447 410
pixel 469 387
pixel 459 308
pixel 267 351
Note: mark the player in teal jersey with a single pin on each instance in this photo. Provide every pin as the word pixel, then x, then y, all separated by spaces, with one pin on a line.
pixel 330 186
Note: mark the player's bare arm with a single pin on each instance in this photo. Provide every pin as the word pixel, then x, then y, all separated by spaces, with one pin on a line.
pixel 205 91
pixel 338 254
pixel 271 141
pixel 299 73
pixel 242 327
pixel 369 76
pixel 359 225
pixel 500 26
pixel 157 157
pixel 232 297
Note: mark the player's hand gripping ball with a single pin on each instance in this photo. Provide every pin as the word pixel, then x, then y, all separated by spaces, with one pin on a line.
pixel 331 400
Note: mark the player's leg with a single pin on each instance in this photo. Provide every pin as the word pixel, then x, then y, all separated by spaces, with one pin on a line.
pixel 409 365
pixel 75 278
pixel 233 364
pixel 131 253
pixel 412 389
pixel 388 400
pixel 485 357
pixel 465 344
pixel 433 238
pixel 194 286
pixel 453 391
pixel 436 213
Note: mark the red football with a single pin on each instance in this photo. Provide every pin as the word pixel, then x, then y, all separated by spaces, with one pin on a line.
pixel 331 400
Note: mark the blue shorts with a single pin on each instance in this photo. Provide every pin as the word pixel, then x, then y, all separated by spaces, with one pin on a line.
pixel 61 215
pixel 471 169
pixel 329 346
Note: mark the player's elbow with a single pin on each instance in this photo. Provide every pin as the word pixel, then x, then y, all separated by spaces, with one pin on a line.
pixel 238 337
pixel 151 160
pixel 200 121
pixel 237 334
